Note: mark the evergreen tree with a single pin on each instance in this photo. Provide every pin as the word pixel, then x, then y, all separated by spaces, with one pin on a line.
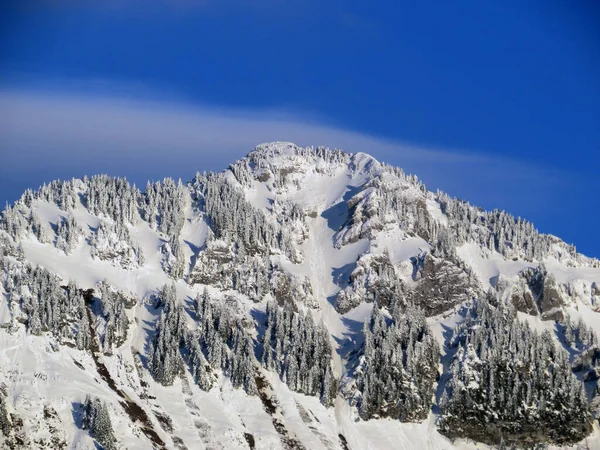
pixel 220 342
pixel 115 318
pixel 165 361
pixel 398 367
pixel 299 351
pixel 67 233
pixel 96 419
pixel 5 424
pixel 508 380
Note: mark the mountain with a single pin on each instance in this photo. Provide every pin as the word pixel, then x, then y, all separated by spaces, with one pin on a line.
pixel 303 298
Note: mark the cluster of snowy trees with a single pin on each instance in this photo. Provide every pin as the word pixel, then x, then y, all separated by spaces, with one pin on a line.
pixel 509 382
pixel 114 323
pixel 299 351
pixel 440 284
pixel 249 275
pixel 5 425
pixel 68 233
pixel 399 365
pixel 61 193
pixel 115 201
pixel 577 335
pixel 18 220
pixel 14 221
pixel 165 362
pixel 162 206
pixel 497 231
pixel 174 262
pixel 8 247
pixel 293 218
pixel 224 266
pixel 260 163
pixel 112 242
pixel 290 290
pixel 373 280
pixel 96 419
pixel 408 211
pixel 233 219
pixel 386 200
pixel 37 296
pixel 113 198
pixel 221 341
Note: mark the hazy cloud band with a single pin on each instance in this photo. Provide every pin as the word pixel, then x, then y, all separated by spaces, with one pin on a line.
pixel 45 135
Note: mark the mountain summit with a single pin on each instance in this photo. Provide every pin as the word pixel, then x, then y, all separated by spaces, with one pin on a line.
pixel 303 298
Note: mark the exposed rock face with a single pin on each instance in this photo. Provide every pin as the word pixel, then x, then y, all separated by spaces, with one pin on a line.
pixel 595 299
pixel 443 284
pixel 519 294
pixel 551 298
pixel 588 363
pixel 373 279
pixel 439 284
pixel 546 293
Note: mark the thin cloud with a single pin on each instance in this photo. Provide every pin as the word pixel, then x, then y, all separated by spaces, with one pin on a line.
pixel 44 135
pixel 135 125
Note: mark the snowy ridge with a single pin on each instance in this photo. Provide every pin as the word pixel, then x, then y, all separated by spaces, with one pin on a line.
pixel 325 280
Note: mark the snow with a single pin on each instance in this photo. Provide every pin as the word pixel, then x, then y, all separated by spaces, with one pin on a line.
pixel 536 323
pixel 259 196
pixel 39 376
pixel 436 212
pixel 488 265
pixel 399 247
pixel 565 274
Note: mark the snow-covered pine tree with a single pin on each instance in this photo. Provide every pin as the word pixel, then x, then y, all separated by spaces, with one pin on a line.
pixel 165 361
pixel 509 381
pixel 96 419
pixel 37 228
pixel 299 351
pixel 398 368
pixel 5 424
pixel 162 206
pixel 67 233
pixel 174 263
pixel 116 322
pixel 220 342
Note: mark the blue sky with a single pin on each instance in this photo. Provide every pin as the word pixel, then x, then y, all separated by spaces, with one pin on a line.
pixel 495 102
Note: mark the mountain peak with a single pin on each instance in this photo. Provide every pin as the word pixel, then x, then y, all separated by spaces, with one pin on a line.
pixel 228 297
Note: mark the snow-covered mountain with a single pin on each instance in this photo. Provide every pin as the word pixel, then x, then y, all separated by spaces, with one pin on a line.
pixel 303 298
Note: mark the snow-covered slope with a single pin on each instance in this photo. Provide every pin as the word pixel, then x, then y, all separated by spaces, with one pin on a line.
pixel 326 237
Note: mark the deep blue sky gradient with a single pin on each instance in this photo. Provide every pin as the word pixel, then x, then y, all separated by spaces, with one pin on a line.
pixel 508 79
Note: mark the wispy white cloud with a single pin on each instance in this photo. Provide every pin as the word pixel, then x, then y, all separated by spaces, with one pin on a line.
pixel 43 134
pixel 150 126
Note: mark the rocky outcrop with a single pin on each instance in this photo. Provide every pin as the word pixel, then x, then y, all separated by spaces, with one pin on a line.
pixel 373 279
pixel 546 293
pixel 588 363
pixel 437 284
pixel 518 294
pixel 442 284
